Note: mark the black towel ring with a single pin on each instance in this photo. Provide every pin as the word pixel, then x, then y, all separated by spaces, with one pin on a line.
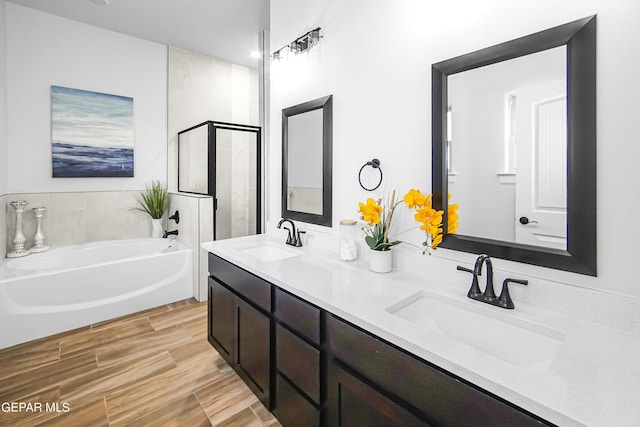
pixel 375 163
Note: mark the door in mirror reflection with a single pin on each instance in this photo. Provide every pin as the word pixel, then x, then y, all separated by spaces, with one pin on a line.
pixel 541 165
pixel 507 149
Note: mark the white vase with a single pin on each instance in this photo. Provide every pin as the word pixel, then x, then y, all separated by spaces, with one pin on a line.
pixel 156 228
pixel 380 261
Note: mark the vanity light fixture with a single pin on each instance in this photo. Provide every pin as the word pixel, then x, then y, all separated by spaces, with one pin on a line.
pixel 302 44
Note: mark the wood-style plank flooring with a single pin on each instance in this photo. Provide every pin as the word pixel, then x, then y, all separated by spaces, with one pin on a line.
pixel 153 368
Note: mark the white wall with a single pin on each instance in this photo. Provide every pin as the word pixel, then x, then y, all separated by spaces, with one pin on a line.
pixel 45 50
pixel 375 59
pixel 3 103
pixel 194 228
pixel 3 129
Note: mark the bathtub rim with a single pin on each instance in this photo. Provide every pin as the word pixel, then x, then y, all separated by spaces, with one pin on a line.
pixel 9 273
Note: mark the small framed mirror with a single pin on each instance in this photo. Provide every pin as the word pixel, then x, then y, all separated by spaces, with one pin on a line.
pixel 306 161
pixel 524 177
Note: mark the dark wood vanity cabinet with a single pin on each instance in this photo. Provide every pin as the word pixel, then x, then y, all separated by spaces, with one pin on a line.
pixel 371 379
pixel 221 324
pixel 352 402
pixel 238 327
pixel 299 394
pixel 313 369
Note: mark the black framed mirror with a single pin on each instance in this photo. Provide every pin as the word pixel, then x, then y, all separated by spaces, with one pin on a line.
pixel 577 253
pixel 307 138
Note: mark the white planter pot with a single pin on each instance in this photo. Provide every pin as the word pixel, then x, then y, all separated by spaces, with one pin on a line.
pixel 156 228
pixel 380 261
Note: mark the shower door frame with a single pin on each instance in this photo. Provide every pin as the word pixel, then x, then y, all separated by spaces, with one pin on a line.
pixel 213 176
pixel 212 126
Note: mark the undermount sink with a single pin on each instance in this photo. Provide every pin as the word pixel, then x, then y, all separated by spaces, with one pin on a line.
pixel 268 251
pixel 513 340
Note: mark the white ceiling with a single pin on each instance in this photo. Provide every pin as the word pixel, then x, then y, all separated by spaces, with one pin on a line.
pixel 225 29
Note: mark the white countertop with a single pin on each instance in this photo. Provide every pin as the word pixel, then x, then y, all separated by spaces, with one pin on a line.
pixel 593 379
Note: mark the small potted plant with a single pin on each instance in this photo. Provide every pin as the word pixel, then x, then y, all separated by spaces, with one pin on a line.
pixel 377 232
pixel 155 202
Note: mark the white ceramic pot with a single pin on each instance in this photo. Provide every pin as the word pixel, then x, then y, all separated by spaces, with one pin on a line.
pixel 156 228
pixel 380 261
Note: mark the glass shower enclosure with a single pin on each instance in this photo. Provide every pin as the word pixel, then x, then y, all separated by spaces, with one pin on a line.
pixel 224 160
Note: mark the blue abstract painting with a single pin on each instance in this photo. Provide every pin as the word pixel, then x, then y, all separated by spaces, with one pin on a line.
pixel 92 134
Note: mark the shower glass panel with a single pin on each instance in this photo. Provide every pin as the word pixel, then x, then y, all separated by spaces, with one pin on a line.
pixel 223 160
pixel 236 183
pixel 192 160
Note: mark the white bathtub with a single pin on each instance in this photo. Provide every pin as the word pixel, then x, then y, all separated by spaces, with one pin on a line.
pixel 67 288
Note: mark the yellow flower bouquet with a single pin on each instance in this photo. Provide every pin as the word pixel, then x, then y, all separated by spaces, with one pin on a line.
pixel 378 223
pixel 430 218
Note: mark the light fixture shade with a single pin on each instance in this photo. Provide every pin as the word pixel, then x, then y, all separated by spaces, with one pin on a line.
pixel 303 43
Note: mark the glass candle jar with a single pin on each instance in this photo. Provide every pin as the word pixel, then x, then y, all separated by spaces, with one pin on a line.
pixel 348 239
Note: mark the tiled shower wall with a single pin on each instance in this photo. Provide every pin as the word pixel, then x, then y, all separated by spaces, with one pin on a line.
pixel 74 218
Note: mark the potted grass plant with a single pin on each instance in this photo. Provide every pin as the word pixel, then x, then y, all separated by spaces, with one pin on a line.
pixel 155 202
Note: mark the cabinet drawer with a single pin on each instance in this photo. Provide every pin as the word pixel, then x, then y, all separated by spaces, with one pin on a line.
pixel 446 399
pixel 244 283
pixel 293 410
pixel 298 315
pixel 299 362
pixel 354 403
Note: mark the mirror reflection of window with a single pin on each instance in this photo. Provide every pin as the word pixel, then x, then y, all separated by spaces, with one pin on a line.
pixel 304 192
pixel 511 142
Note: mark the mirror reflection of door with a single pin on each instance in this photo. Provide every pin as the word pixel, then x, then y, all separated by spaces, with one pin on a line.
pixel 508 147
pixel 541 159
pixel 304 192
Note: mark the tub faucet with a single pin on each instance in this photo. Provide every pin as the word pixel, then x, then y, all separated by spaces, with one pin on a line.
pixel 293 238
pixel 169 233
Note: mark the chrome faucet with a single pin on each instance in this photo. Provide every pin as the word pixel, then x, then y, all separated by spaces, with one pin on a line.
pixel 293 238
pixel 489 296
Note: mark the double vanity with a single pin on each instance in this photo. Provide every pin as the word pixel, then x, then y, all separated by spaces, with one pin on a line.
pixel 323 342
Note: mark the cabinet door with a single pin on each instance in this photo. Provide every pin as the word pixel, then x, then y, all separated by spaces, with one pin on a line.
pixel 352 403
pixel 221 320
pixel 253 349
